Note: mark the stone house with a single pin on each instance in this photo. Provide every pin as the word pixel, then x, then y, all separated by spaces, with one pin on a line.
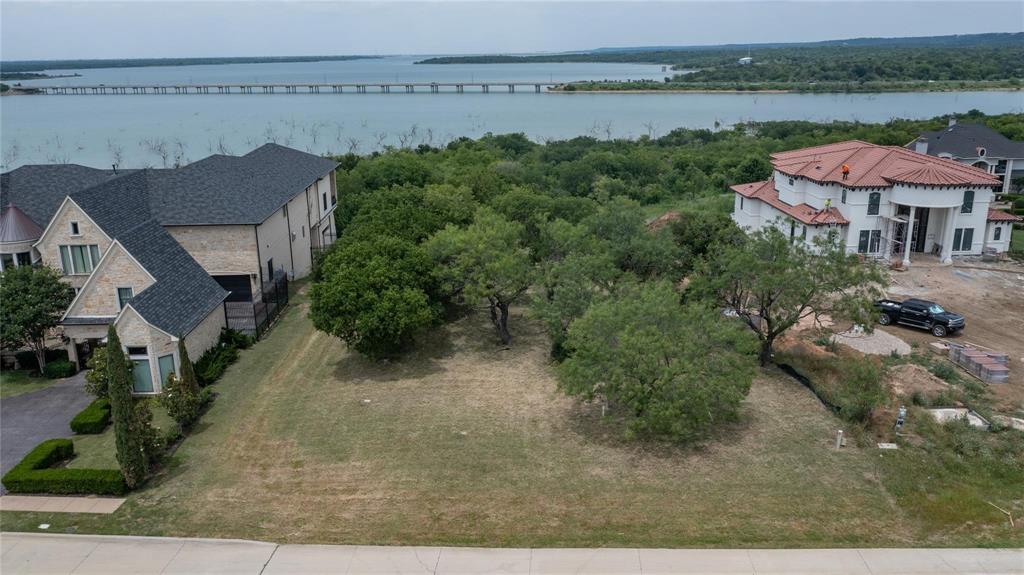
pixel 160 254
pixel 975 145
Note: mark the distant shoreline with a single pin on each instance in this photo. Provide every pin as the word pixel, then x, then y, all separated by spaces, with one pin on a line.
pixel 39 66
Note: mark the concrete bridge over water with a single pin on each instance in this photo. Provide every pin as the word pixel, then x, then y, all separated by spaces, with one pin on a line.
pixel 291 88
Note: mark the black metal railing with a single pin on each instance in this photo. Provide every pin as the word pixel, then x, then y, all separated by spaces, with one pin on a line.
pixel 255 318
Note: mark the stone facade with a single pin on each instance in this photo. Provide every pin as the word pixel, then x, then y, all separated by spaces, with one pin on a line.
pixel 221 250
pixel 59 233
pixel 99 296
pixel 205 335
pixel 135 332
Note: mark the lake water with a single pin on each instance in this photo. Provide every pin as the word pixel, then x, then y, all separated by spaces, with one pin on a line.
pixel 148 130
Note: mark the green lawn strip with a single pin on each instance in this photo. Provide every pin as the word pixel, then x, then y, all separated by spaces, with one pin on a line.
pixel 17 382
pixel 461 443
pixel 99 451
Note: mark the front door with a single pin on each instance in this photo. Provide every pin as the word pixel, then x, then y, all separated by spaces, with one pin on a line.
pixel 920 229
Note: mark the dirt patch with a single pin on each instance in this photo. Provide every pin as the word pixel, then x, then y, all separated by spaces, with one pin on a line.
pixel 990 298
pixel 905 379
pixel 877 342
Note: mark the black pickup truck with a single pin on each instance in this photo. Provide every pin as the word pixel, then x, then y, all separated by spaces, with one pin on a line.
pixel 919 313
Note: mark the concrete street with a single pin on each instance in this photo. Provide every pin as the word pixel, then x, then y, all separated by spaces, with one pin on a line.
pixel 82 554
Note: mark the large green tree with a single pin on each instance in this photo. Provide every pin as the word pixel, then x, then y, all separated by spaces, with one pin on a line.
pixel 375 294
pixel 32 301
pixel 676 372
pixel 772 282
pixel 129 434
pixel 485 260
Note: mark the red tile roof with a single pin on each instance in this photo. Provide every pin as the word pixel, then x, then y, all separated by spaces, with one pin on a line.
pixel 765 191
pixel 874 166
pixel 1001 216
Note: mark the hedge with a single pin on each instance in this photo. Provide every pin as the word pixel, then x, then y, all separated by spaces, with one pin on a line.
pixel 27 358
pixel 35 475
pixel 59 369
pixel 93 419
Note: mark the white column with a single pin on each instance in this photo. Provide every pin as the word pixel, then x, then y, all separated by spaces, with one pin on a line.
pixel 948 228
pixel 908 237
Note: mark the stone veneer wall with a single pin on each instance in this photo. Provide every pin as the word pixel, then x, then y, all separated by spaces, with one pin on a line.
pixel 205 335
pixel 221 250
pixel 59 234
pixel 117 270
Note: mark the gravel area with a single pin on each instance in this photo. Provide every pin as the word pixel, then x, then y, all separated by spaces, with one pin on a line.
pixel 875 343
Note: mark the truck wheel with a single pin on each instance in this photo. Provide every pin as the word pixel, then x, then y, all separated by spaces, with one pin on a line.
pixel 885 319
pixel 939 330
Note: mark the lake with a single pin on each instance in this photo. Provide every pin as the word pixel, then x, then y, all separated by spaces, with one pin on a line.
pixel 149 130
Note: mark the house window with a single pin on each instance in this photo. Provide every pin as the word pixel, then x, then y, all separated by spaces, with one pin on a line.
pixel 23 258
pixel 803 233
pixel 741 202
pixel 325 200
pixel 997 233
pixel 165 363
pixel 142 378
pixel 123 295
pixel 874 198
pixel 303 231
pixel 869 241
pixel 963 238
pixel 79 260
pixel 270 269
pixel 284 210
pixel 844 197
pixel 968 205
pixel 791 181
pixel 74 229
pixel 6 261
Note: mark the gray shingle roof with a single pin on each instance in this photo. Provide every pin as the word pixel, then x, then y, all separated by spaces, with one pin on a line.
pixel 38 190
pixel 235 189
pixel 963 141
pixel 183 294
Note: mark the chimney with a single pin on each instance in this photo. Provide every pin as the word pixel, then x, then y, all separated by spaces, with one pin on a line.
pixel 115 168
pixel 921 145
pixel 952 121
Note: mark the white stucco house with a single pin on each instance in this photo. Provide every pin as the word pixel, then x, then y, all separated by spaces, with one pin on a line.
pixel 163 254
pixel 891 203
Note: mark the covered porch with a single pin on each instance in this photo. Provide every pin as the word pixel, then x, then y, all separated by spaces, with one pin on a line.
pixel 913 231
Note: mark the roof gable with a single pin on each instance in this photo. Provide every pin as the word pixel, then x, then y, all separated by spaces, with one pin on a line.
pixel 38 190
pixel 964 140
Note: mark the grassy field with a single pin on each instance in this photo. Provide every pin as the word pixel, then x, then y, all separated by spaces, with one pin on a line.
pixel 16 382
pixel 99 451
pixel 462 443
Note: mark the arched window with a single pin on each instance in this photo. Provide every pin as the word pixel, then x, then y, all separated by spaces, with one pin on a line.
pixel 874 198
pixel 968 205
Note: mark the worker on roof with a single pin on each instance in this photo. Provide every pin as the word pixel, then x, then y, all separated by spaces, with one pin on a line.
pixel 846 170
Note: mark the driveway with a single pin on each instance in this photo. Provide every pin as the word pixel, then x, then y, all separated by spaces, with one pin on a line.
pixel 28 419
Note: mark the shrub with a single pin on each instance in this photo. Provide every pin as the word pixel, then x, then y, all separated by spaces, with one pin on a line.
pixel 59 369
pixel 944 371
pixel 34 474
pixel 27 360
pixel 216 360
pixel 93 419
pixel 96 376
pixel 236 339
pixel 181 402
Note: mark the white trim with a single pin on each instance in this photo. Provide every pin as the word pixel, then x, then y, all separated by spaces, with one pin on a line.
pixel 58 212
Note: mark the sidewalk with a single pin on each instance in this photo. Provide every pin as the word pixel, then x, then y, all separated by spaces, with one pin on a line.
pixel 80 554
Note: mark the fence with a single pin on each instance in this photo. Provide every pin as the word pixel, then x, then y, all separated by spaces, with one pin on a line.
pixel 255 318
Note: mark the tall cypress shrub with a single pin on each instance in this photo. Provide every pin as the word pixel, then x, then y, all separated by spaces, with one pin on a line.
pixel 131 454
pixel 188 371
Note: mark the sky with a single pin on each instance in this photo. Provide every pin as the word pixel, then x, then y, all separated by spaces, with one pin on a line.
pixel 38 29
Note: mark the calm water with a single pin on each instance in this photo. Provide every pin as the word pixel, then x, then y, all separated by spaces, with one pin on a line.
pixel 151 130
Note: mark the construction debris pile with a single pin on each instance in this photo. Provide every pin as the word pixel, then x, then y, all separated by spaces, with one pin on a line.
pixel 989 366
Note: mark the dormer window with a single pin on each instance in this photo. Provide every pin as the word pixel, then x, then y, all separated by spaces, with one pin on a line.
pixel 981 152
pixel 74 229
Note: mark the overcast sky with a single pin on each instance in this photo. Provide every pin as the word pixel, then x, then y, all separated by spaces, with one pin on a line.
pixel 94 29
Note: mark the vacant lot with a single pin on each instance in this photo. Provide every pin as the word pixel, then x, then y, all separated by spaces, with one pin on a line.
pixel 991 298
pixel 463 443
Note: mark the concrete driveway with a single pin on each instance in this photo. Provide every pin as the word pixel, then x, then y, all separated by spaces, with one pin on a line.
pixel 30 418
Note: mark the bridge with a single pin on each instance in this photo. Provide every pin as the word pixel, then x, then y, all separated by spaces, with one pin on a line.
pixel 291 88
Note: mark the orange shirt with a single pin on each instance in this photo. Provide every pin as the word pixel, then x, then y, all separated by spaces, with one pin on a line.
pixel 846 169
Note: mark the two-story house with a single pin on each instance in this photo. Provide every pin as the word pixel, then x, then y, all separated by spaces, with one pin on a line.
pixel 890 203
pixel 975 145
pixel 161 253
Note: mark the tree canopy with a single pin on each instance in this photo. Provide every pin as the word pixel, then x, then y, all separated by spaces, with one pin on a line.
pixel 32 301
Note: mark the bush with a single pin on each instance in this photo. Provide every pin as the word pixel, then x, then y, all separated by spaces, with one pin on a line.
pixel 34 474
pixel 215 361
pixel 27 359
pixel 96 374
pixel 93 419
pixel 181 402
pixel 59 369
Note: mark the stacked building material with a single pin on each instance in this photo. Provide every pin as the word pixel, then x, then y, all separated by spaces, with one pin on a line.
pixel 990 366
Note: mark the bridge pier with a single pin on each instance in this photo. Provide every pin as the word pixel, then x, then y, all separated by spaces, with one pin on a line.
pixel 511 88
pixel 459 88
pixel 536 88
pixel 487 88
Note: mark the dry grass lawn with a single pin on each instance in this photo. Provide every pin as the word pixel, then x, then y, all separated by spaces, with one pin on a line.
pixel 463 443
